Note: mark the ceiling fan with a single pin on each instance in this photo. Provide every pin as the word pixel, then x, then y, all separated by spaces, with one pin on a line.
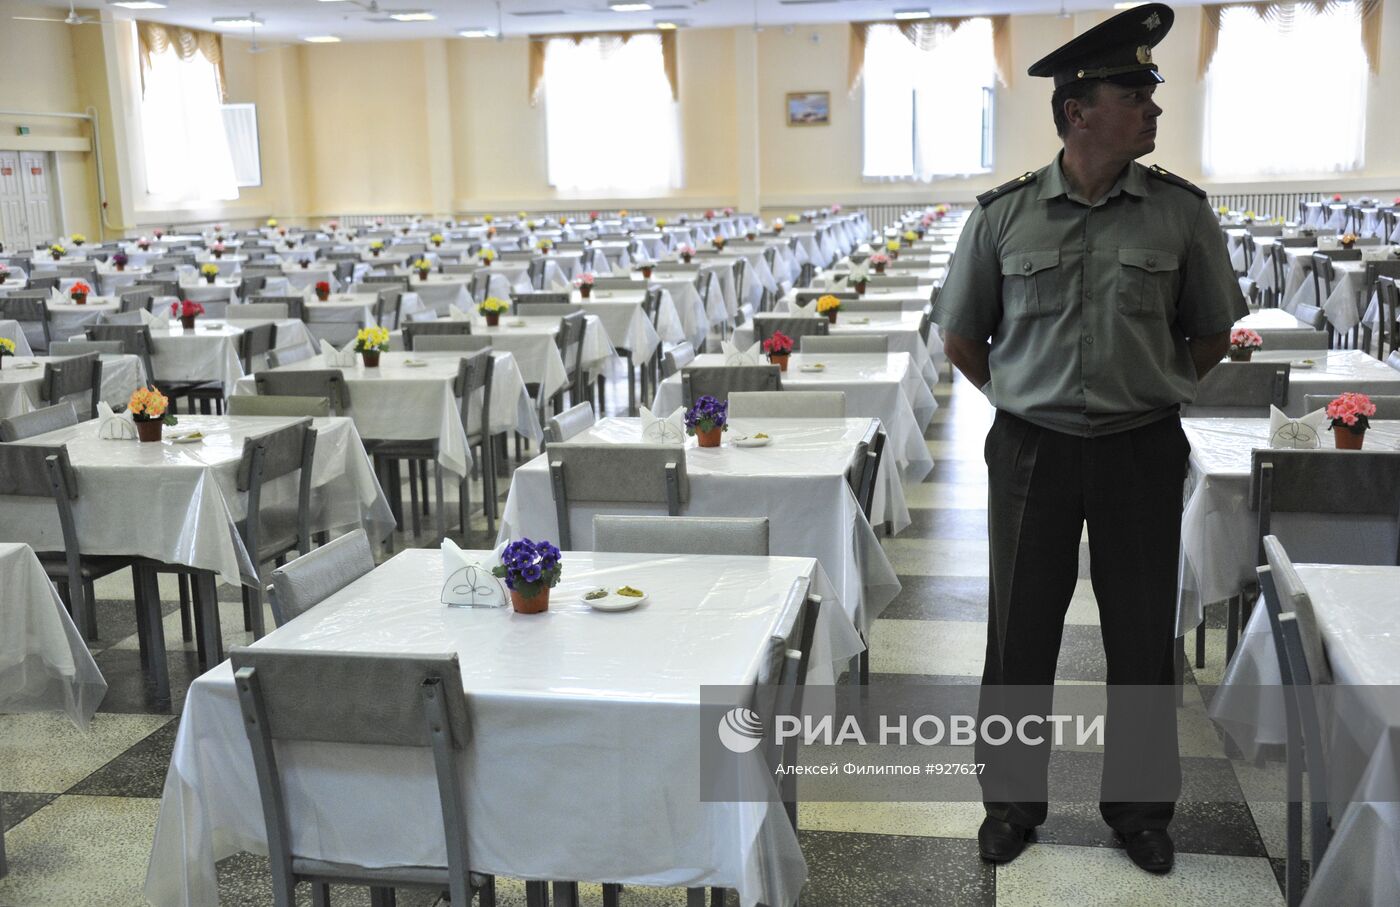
pixel 72 18
pixel 378 13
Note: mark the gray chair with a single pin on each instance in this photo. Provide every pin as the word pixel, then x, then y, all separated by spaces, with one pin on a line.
pixel 38 422
pixel 328 383
pixel 787 404
pixel 135 298
pixel 793 326
pixel 390 301
pixel 1240 389
pixel 375 282
pixel 539 298
pixel 719 381
pixel 301 584
pixel 548 310
pixel 569 423
pixel 414 329
pixel 681 535
pixel 246 311
pixel 867 306
pixel 279 358
pixel 71 377
pixel 1387 407
pixel 42 284
pixel 295 306
pixel 256 341
pixel 1302 664
pixel 676 358
pixel 1393 360
pixel 1388 316
pixel 31 310
pixel 133 340
pixel 451 343
pixel 897 280
pixel 845 343
pixel 126 318
pixel 628 474
pixel 79 347
pixel 246 405
pixel 1310 315
pixel 1293 339
pixel 412 702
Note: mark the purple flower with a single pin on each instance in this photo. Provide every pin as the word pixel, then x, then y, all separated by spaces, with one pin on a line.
pixel 529 566
pixel 706 414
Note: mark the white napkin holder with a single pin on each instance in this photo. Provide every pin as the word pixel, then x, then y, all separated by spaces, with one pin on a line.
pixel 338 358
pixel 1304 433
pixel 454 313
pixel 114 426
pixel 668 430
pixel 468 583
pixel 57 298
pixel 809 310
pixel 152 320
pixel 735 356
pixel 1328 243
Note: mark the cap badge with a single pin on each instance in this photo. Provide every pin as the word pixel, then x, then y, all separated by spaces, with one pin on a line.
pixel 1152 21
pixel 1144 52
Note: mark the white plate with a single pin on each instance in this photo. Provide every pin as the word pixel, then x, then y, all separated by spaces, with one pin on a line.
pixel 414 363
pixel 25 365
pixel 857 320
pixel 811 368
pixel 191 438
pixel 516 324
pixel 1303 363
pixel 613 602
pixel 752 442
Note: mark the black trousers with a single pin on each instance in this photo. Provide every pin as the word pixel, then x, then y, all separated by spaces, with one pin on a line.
pixel 1042 488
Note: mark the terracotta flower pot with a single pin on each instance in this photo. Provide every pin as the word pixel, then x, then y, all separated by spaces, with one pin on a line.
pixel 371 358
pixel 535 604
pixel 1241 355
pixel 305 265
pixel 831 315
pixel 780 360
pixel 210 278
pixel 894 255
pixel 1347 439
pixel 218 255
pixel 880 268
pixel 119 268
pixel 646 273
pixel 80 299
pixel 323 295
pixel 685 258
pixel 437 245
pixel 585 290
pixel 749 236
pixel 493 319
pixel 1348 245
pixel 187 322
pixel 148 429
pixel 709 438
pixel 375 252
pixel 57 257
pixel 860 288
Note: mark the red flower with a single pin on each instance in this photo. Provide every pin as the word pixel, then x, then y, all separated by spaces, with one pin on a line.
pixel 1337 197
pixel 185 309
pixel 80 289
pixel 779 344
pixel 323 286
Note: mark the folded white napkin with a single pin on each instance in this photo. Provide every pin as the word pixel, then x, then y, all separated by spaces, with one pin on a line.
pixel 114 426
pixel 153 321
pixel 859 272
pixel 345 356
pixel 1304 433
pixel 456 314
pixel 735 356
pixel 57 298
pixel 667 430
pixel 804 311
pixel 469 583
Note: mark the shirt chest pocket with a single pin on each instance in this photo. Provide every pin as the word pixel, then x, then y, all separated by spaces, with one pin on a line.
pixel 1030 284
pixel 1147 282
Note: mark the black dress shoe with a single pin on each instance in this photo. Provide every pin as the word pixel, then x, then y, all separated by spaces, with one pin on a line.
pixel 1001 842
pixel 1151 849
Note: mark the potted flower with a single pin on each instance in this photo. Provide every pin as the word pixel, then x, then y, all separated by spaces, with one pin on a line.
pixel 282 231
pixel 1336 197
pixel 750 235
pixel 7 348
pixel 370 342
pixel 143 244
pixel 546 244
pixel 910 236
pixel 687 251
pixel 835 209
pixel 375 248
pixel 728 212
pixel 646 269
pixel 219 232
pixel 486 256
pixel 209 271
pixel 793 218
pixel 778 348
pixel 423 267
pixel 1347 240
pixel 1351 416
pixel 323 290
pixel 272 223
pixel 379 221
pixel 158 232
pixel 709 214
pixel 1243 343
pixel 718 243
pixel 150 410
pixel 78 239
pixel 593 216
pixel 333 225
pixel 4 273
pixel 584 282
pixel 186 311
pixel 879 261
pixel 1249 217
pixel 491 308
pixel 661 223
pixel 521 214
pixel 436 240
pixel 530 570
pixel 892 247
pixel 57 251
pixel 859 275
pixel 707 419
pixel 829 305
pixel 622 212
pixel 119 261
pixel 217 250
pixel 79 291
pixel 778 225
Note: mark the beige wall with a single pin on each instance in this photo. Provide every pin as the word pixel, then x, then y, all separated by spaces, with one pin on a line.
pixel 444 126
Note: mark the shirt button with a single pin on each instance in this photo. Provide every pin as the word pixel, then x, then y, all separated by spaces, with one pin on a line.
pixel 1026 267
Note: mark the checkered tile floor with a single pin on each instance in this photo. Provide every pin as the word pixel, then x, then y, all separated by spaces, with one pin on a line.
pixel 81 809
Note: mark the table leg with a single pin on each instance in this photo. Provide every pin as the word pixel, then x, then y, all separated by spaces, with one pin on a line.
pixel 158 660
pixel 207 595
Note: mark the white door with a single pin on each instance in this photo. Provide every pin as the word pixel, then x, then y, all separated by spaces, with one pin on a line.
pixel 13 233
pixel 28 199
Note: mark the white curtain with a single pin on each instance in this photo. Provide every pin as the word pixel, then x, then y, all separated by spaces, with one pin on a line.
pixel 924 108
pixel 182 132
pixel 611 125
pixel 1286 97
pixel 241 126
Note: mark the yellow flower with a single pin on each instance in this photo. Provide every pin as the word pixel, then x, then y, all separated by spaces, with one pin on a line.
pixel 376 245
pixel 1223 209
pixel 910 236
pixel 422 264
pixel 487 254
pixel 546 243
pixel 792 218
pixel 828 304
pixel 622 212
pixel 436 237
pixel 487 218
pixel 892 245
pixel 7 346
pixel 521 214
pixel 1249 215
pixel 372 338
pixel 208 268
pixel 57 248
pixel 148 402
pixel 272 221
pixel 79 238
pixel 492 304
pixel 661 221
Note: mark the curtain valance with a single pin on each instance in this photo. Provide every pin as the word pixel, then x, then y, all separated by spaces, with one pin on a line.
pixel 539 46
pixel 1282 13
pixel 184 43
pixel 926 34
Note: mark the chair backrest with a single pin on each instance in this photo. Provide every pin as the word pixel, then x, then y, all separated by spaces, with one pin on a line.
pixel 549 310
pixel 1311 315
pixel 681 535
pixel 279 358
pixel 1245 388
pixel 42 471
pixel 75 375
pixel 270 456
pixel 328 383
pixel 315 576
pixel 451 343
pixel 79 347
pixel 572 327
pixel 1388 301
pixel 805 296
pixel 570 422
pixel 1293 339
pixel 874 455
pixel 256 340
pixel 878 281
pixel 866 305
pixel 719 381
pixel 1387 406
pixel 375 281
pixel 845 343
pixel 295 307
pixel 390 301
pixel 42 284
pixel 793 326
pixel 261 309
pixel 29 308
pixel 474 373
pixel 676 358
pixel 248 405
pixel 618 283
pixel 1393 360
pixel 787 404
pixel 541 298
pixel 415 329
pixel 616 474
pixel 1324 481
pixel 27 425
pixel 135 298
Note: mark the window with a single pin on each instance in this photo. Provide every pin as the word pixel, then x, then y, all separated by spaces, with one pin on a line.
pixel 611 124
pixel 928 108
pixel 1295 65
pixel 241 124
pixel 182 131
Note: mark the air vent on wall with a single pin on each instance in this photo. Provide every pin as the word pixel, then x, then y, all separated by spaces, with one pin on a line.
pixel 524 14
pixel 656 6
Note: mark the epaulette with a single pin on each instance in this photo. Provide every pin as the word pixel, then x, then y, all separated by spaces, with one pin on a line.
pixel 1175 180
pixel 991 195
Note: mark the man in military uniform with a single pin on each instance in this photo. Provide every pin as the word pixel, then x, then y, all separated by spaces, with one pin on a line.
pixel 1086 300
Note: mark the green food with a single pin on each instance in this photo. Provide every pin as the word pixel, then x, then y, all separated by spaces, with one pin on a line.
pixel 630 592
pixel 596 594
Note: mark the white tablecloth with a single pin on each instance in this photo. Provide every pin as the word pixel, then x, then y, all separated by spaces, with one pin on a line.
pixel 887 388
pixel 1335 371
pixel 626 322
pixel 1219 532
pixel 902 329
pixel 20 384
pixel 11 331
pixel 340 317
pixel 178 502
pixel 44 664
pixel 574 713
pixel 210 351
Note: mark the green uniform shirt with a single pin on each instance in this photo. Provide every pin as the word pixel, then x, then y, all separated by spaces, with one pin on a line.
pixel 1089 306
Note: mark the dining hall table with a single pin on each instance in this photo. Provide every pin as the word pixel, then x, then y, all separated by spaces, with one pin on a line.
pixel 1331 372
pixel 903 329
pixel 22 381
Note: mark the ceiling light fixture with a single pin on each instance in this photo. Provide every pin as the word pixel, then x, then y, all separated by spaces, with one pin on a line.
pixel 1127 5
pixel 629 7
pixel 477 33
pixel 136 4
pixel 666 25
pixel 413 16
pixel 248 21
pixel 912 14
pixel 321 39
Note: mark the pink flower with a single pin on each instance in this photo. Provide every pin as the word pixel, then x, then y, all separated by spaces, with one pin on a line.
pixel 1245 339
pixel 1348 408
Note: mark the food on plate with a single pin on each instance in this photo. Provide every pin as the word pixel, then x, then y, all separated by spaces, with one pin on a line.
pixel 630 592
pixel 596 594
pixel 760 435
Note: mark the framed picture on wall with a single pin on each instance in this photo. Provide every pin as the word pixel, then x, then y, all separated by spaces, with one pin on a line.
pixel 809 108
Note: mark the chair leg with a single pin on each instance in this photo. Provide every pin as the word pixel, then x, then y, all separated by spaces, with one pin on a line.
pixel 320 894
pixel 253 603
pixel 186 619
pixel 413 496
pixel 247 610
pixel 382 897
pixel 612 894
pixel 441 502
pixel 536 894
pixel 157 658
pixel 486 894
pixel 1201 642
pixel 566 894
pixel 1232 626
pixel 207 601
pixel 423 484
pixel 90 610
pixel 716 897
pixel 695 897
